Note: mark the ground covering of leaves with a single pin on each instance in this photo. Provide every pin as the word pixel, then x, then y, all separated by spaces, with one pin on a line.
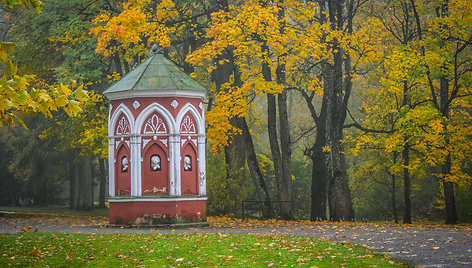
pixel 38 221
pixel 424 245
pixel 189 250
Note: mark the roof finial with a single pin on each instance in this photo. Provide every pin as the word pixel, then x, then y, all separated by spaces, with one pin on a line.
pixel 155 49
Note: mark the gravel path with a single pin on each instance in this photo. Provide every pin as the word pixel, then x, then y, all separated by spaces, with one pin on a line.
pixel 420 245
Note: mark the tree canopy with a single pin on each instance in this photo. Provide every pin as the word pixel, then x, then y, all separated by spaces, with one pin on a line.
pixel 375 93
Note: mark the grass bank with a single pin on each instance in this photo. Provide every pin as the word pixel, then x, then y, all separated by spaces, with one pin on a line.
pixel 189 250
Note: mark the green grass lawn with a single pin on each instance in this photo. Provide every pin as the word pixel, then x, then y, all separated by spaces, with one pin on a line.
pixel 189 250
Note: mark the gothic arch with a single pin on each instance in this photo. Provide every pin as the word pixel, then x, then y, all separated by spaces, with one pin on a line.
pixel 196 115
pixel 161 110
pixel 121 109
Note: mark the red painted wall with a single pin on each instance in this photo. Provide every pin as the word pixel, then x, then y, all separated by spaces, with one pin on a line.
pixel 155 182
pixel 189 182
pixel 122 179
pixel 128 212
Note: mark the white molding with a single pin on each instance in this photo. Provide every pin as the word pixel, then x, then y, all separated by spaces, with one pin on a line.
pixel 161 110
pixel 174 174
pixel 110 108
pixel 111 167
pixel 199 146
pixel 164 141
pixel 136 166
pixel 152 135
pixel 122 108
pixel 136 143
pixel 202 165
pixel 188 107
pixel 113 120
pixel 155 107
pixel 157 93
pixel 154 199
pixel 155 129
pixel 145 142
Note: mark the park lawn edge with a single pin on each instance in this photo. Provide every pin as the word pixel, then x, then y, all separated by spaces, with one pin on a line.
pixel 194 250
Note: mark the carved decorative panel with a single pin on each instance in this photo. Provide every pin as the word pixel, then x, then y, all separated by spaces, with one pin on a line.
pixel 123 127
pixel 155 125
pixel 188 126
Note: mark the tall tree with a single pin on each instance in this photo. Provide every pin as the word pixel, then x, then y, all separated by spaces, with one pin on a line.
pixel 249 34
pixel 67 52
pixel 20 93
pixel 416 84
pixel 330 65
pixel 448 38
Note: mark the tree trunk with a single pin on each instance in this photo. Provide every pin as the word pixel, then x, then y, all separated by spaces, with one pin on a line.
pixel 281 161
pixel 235 153
pixel 272 128
pixel 127 67
pixel 235 172
pixel 285 144
pixel 394 202
pixel 73 185
pixel 449 197
pixel 319 174
pixel 85 196
pixel 319 177
pixel 339 197
pixel 450 200
pixel 254 169
pixel 245 146
pixel 250 152
pixel 117 61
pixel 284 130
pixel 273 141
pixel 336 90
pixel 103 183
pixel 406 183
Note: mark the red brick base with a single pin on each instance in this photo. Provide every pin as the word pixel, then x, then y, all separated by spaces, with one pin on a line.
pixel 163 211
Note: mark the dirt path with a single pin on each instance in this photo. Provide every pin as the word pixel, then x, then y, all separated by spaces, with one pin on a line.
pixel 421 245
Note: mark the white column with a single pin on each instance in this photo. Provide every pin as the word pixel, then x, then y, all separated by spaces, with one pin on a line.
pixel 202 156
pixel 170 161
pixel 176 162
pixel 177 159
pixel 135 166
pixel 139 173
pixel 201 165
pixel 111 166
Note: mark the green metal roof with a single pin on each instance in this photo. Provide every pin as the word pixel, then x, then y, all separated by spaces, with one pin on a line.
pixel 156 73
